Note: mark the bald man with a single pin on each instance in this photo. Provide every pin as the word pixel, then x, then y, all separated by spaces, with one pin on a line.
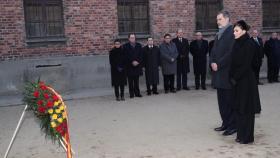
pixel 183 67
pixel 199 51
pixel 259 54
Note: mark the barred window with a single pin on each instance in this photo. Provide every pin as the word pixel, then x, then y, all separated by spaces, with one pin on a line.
pixel 206 12
pixel 43 19
pixel 271 14
pixel 133 16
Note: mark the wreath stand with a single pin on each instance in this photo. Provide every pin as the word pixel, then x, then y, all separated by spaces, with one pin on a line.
pixel 62 142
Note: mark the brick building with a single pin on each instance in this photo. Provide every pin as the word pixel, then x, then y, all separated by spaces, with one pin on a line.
pixel 55 32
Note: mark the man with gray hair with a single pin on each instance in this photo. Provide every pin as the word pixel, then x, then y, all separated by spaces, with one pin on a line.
pixel 220 64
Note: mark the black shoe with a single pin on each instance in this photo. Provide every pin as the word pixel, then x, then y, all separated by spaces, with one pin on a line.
pixel 149 93
pixel 260 83
pixel 122 99
pixel 118 99
pixel 196 88
pixel 204 88
pixel 166 91
pixel 245 142
pixel 222 128
pixel 131 96
pixel 156 93
pixel 276 81
pixel 237 140
pixel 178 89
pixel 229 132
pixel 173 91
pixel 139 96
pixel 186 88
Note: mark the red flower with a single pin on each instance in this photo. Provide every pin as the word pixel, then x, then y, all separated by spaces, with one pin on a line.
pixel 36 94
pixel 40 102
pixel 55 98
pixel 60 129
pixel 41 109
pixel 43 87
pixel 46 96
pixel 49 104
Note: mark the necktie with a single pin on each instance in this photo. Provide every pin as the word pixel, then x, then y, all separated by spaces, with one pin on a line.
pixel 256 39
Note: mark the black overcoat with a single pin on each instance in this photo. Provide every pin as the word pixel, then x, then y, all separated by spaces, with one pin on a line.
pixel 117 62
pixel 151 63
pixel 242 77
pixel 199 53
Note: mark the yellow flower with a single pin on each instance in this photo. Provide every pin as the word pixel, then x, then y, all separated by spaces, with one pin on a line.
pixel 57 103
pixel 54 116
pixel 61 107
pixel 50 111
pixel 60 120
pixel 53 124
pixel 64 115
pixel 58 111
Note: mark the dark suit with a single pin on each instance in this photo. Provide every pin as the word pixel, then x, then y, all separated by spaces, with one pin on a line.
pixel 133 53
pixel 183 67
pixel 258 56
pixel 221 55
pixel 199 51
pixel 272 52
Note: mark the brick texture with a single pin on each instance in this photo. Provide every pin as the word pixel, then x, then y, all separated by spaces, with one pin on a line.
pixel 91 25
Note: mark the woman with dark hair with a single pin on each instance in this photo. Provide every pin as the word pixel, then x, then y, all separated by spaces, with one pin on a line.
pixel 245 89
pixel 118 75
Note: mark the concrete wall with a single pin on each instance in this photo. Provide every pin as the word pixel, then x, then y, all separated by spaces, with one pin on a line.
pixel 66 74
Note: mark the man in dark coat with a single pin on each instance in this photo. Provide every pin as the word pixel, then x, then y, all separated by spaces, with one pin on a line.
pixel 134 59
pixel 168 56
pixel 151 64
pixel 199 51
pixel 118 76
pixel 211 44
pixel 220 63
pixel 272 52
pixel 183 67
pixel 259 54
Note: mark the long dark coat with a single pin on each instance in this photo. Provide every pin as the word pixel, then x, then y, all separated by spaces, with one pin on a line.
pixel 199 53
pixel 133 54
pixel 117 62
pixel 183 48
pixel 242 77
pixel 151 62
pixel 167 52
pixel 221 54
pixel 259 54
pixel 272 51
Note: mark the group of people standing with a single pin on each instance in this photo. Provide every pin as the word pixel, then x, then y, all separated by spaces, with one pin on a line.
pixel 235 61
pixel 130 59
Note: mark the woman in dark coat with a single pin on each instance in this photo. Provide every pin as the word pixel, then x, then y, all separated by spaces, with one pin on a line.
pixel 118 75
pixel 245 89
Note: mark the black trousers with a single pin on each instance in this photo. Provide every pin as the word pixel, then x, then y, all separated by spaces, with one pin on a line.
pixel 257 73
pixel 182 80
pixel 273 73
pixel 154 88
pixel 119 90
pixel 200 80
pixel 168 81
pixel 133 84
pixel 245 127
pixel 225 101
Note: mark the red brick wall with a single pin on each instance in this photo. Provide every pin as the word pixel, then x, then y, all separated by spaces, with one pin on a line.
pixel 91 26
pixel 89 29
